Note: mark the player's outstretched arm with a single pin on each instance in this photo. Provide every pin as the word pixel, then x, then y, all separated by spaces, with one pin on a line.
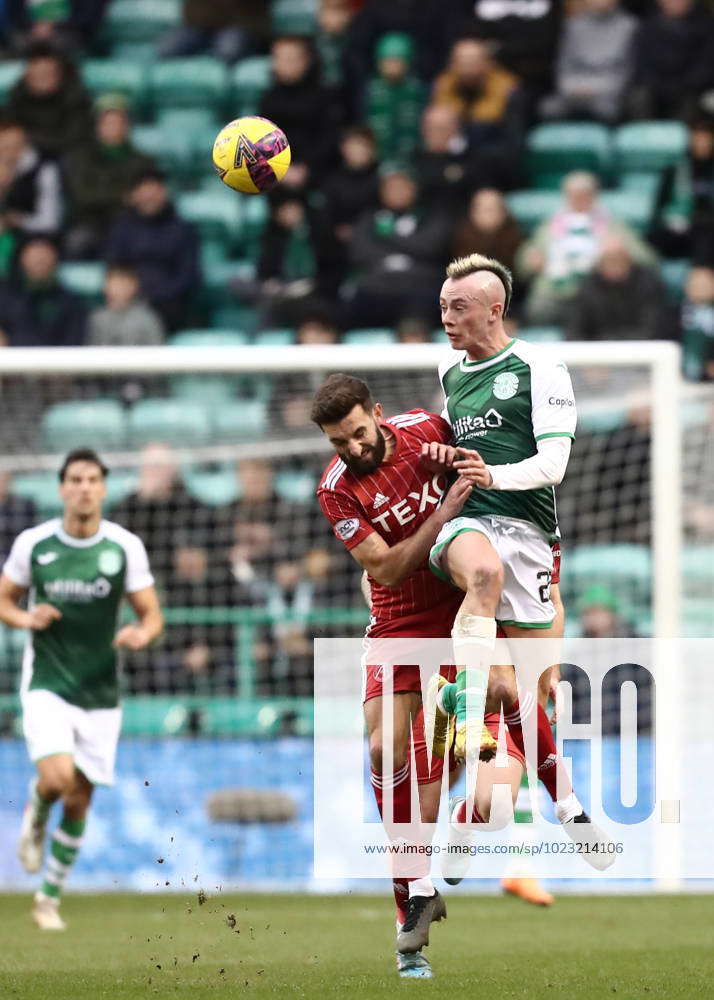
pixel 150 625
pixel 389 565
pixel 40 617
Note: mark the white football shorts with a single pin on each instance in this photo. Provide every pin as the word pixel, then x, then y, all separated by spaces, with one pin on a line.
pixel 90 735
pixel 527 559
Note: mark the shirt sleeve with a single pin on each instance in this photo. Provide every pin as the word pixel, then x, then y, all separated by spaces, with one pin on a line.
pixel 436 429
pixel 346 517
pixel 546 468
pixel 554 413
pixel 138 573
pixel 18 565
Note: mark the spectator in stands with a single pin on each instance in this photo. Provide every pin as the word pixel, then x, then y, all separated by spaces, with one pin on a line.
pixel 601 615
pixel 317 328
pixel 125 320
pixel 225 28
pixel 565 247
pixel 489 228
pixel 30 185
pixel 286 266
pixel 307 110
pixel 395 98
pixel 523 35
pixel 413 330
pixel 150 237
pixel 35 310
pixel 423 20
pixel 99 174
pixel 65 24
pixel 449 165
pixel 16 514
pixel 698 481
pixel 398 252
pixel 674 59
pixel 333 23
pixel 620 300
pixel 347 193
pixel 698 325
pixel 595 63
pixel 687 193
pixel 161 506
pixel 484 95
pixel 50 102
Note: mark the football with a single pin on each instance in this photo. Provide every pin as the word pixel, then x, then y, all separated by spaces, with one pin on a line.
pixel 251 155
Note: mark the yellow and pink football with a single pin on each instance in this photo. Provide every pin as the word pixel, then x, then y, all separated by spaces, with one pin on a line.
pixel 251 155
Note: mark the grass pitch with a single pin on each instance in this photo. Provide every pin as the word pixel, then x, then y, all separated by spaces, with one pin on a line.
pixel 131 947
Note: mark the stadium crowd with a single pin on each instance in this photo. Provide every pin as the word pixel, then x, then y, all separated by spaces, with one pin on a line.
pixel 414 131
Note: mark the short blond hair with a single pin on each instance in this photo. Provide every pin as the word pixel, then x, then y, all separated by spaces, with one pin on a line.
pixel 463 266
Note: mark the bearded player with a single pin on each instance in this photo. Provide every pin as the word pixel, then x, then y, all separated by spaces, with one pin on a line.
pixel 76 569
pixel 504 399
pixel 388 508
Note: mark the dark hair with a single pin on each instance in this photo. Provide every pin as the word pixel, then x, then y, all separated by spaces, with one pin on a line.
pixel 82 455
pixel 148 174
pixel 358 131
pixel 125 270
pixel 337 396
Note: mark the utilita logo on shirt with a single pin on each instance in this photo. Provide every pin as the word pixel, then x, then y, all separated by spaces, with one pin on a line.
pixel 78 591
pixel 403 511
pixel 466 427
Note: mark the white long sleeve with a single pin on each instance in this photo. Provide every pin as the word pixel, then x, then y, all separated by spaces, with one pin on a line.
pixel 547 468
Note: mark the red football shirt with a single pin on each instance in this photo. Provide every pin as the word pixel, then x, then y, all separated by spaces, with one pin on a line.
pixel 394 501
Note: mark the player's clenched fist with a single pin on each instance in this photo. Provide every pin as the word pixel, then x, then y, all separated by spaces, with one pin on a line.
pixel 42 616
pixel 472 467
pixel 437 456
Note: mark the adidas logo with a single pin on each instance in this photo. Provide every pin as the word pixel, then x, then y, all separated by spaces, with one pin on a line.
pixel 550 761
pixel 379 500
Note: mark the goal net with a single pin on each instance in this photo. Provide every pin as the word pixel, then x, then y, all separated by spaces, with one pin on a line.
pixel 214 463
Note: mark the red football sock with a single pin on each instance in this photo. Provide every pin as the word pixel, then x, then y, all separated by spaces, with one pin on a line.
pixel 551 769
pixel 401 805
pixel 460 816
pixel 401 897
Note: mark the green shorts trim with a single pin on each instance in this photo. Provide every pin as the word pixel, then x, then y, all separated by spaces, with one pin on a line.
pixel 527 624
pixel 434 563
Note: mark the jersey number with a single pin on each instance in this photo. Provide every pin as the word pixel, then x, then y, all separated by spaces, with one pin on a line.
pixel 544 589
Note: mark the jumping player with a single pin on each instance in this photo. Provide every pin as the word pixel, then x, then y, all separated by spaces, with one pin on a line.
pixel 388 508
pixel 76 569
pixel 514 401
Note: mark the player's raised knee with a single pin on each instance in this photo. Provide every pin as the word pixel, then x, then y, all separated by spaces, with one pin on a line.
pixel 485 579
pixel 378 753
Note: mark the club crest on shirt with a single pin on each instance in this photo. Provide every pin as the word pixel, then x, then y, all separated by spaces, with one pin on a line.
pixel 109 562
pixel 347 528
pixel 505 385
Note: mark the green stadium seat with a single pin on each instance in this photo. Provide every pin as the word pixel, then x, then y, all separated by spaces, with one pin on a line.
pixel 42 489
pixel 698 569
pixel 251 77
pixel 10 73
pixel 614 566
pixel 173 421
pixel 530 208
pixel 173 150
pixel 213 486
pixel 237 317
pixel 117 76
pixel 649 146
pixel 634 208
pixel 96 423
pixel 216 214
pixel 204 388
pixel 130 21
pixel 553 150
pixel 601 421
pixel 293 17
pixel 541 334
pixel 241 418
pixel 674 274
pixel 370 336
pixel 274 338
pixel 208 338
pixel 648 181
pixel 85 277
pixel 296 487
pixel 198 81
pixel 218 276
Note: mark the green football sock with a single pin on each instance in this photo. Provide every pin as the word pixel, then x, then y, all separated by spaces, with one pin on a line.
pixel 522 812
pixel 66 841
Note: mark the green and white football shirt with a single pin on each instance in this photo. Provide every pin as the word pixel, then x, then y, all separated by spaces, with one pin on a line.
pixel 85 579
pixel 501 407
